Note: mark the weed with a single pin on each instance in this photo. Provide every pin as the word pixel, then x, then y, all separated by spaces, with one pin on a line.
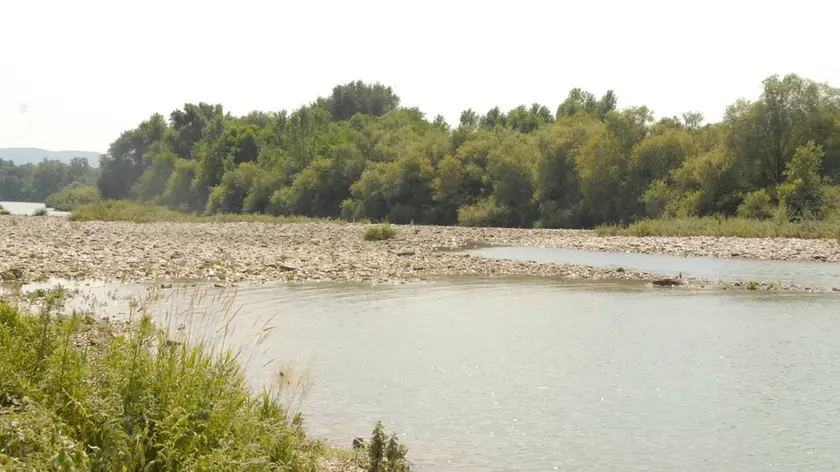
pixel 752 285
pixel 40 212
pixel 386 454
pixel 380 232
pixel 78 394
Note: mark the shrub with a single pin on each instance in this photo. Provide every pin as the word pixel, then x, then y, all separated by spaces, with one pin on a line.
pixel 70 198
pixel 801 194
pixel 77 395
pixel 757 205
pixel 484 213
pixel 3 211
pixel 40 212
pixel 386 454
pixel 555 214
pixel 380 232
pixel 126 210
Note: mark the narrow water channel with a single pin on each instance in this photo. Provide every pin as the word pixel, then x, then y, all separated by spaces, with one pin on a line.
pixel 823 275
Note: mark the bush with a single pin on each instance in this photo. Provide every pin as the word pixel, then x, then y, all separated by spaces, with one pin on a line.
pixel 126 210
pixel 75 394
pixel 40 212
pixel 70 198
pixel 4 211
pixel 386 454
pixel 801 194
pixel 380 232
pixel 554 214
pixel 484 213
pixel 757 205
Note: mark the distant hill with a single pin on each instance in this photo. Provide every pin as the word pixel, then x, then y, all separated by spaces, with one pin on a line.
pixel 35 155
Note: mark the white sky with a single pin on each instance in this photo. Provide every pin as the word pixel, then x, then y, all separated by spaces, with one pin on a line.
pixel 73 75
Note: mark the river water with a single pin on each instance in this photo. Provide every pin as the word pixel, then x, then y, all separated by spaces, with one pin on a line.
pixel 822 275
pixel 28 208
pixel 531 375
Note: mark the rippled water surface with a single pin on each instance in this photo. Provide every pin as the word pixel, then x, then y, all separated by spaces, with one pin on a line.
pixel 824 275
pixel 515 375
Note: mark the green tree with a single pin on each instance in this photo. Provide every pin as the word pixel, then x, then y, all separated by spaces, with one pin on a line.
pixel 801 193
pixel 357 154
pixel 557 186
pixel 47 178
pixel 790 112
pixel 358 97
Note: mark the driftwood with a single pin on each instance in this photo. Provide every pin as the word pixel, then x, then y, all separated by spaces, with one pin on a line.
pixel 668 282
pixel 359 442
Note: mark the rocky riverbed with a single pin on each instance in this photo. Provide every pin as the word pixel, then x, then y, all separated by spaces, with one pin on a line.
pixel 256 253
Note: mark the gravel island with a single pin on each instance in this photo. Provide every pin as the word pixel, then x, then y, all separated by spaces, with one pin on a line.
pixel 52 247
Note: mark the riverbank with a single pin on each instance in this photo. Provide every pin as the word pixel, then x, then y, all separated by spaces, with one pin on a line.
pixel 828 228
pixel 78 388
pixel 252 252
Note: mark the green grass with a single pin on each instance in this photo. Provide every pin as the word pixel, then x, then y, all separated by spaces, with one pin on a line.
pixel 125 210
pixel 380 232
pixel 78 394
pixel 740 227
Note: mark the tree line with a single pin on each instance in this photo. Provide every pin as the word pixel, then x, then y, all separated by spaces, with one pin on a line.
pixel 36 182
pixel 358 154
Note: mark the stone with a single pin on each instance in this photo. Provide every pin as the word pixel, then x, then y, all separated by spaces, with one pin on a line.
pixel 246 252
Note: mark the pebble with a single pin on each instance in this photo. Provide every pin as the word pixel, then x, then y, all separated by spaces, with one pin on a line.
pixel 261 252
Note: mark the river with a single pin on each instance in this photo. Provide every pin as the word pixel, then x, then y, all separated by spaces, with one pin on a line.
pixel 28 208
pixel 530 375
pixel 820 275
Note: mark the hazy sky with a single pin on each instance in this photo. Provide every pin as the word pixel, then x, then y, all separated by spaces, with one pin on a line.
pixel 75 74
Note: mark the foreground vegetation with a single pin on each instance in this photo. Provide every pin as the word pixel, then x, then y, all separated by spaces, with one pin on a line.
pixel 76 394
pixel 358 154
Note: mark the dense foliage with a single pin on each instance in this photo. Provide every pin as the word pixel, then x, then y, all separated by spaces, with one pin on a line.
pixel 73 196
pixel 357 154
pixel 36 182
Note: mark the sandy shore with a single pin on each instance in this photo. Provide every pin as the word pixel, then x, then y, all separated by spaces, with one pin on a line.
pixel 257 253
